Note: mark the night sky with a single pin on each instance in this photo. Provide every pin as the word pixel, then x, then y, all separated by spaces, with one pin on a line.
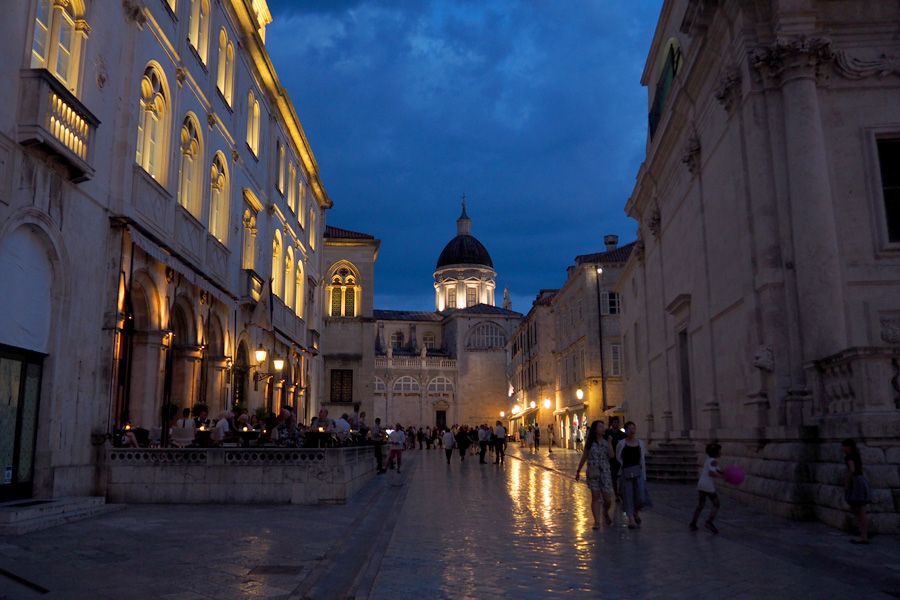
pixel 532 108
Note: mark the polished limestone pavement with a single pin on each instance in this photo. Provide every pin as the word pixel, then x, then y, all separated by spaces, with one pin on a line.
pixel 463 530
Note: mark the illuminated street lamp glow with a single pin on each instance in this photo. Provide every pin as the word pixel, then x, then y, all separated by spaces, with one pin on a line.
pixel 533 404
pixel 546 402
pixel 516 409
pixel 502 413
pixel 579 393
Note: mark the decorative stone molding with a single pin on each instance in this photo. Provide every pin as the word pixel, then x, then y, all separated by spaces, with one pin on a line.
pixel 234 155
pixel 211 119
pixel 133 11
pixel 638 250
pixel 764 358
pixel 791 58
pixel 728 90
pixel 890 329
pixel 850 67
pixel 698 16
pixel 102 75
pixel 180 75
pixel 654 223
pixel 691 155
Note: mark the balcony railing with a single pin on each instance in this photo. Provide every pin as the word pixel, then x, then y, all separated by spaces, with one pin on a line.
pixel 415 363
pixel 51 117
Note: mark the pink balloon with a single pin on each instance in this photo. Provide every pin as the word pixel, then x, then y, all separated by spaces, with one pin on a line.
pixel 733 475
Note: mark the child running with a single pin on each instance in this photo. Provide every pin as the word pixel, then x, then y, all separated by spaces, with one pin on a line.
pixel 706 487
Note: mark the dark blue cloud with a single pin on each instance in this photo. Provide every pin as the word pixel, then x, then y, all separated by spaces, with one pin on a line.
pixel 533 109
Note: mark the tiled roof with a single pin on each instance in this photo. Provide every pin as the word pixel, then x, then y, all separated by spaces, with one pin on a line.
pixel 545 297
pixel 337 232
pixel 619 255
pixel 405 315
pixel 483 309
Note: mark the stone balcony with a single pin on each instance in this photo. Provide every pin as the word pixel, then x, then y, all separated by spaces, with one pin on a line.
pixel 414 363
pixel 52 118
pixel 857 380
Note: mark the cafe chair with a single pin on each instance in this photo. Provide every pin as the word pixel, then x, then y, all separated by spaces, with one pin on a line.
pixel 182 437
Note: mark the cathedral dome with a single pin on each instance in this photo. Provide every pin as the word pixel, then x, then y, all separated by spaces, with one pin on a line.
pixel 464 250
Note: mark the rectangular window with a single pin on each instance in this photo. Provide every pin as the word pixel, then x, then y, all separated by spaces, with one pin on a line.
pixel 451 298
pixel 889 159
pixel 609 303
pixel 342 385
pixel 615 352
pixel 471 294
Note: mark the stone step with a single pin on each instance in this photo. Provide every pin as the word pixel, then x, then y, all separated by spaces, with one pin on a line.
pixel 24 516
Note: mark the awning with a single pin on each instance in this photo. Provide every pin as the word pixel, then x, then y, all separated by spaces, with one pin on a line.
pixel 570 409
pixel 523 413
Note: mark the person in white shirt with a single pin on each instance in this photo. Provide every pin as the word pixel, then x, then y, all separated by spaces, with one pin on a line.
pixel 376 439
pixel 484 437
pixel 499 443
pixel 342 428
pixel 397 441
pixel 448 440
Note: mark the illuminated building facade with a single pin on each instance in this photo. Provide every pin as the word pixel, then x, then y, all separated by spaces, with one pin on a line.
pixel 416 367
pixel 762 304
pixel 154 178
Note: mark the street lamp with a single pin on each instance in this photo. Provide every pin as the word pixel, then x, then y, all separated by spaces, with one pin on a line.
pixel 546 402
pixel 533 404
pixel 502 414
pixel 600 331
pixel 260 375
pixel 579 393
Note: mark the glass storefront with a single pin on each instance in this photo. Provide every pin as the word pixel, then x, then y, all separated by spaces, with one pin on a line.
pixel 20 390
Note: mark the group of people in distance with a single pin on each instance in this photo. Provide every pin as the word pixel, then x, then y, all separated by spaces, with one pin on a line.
pixel 463 438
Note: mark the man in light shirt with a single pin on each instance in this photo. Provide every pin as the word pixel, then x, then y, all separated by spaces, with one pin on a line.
pixel 499 443
pixel 397 441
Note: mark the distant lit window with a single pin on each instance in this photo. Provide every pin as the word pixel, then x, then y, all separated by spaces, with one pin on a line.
pixel 152 117
pixel 397 339
pixel 471 296
pixel 225 72
pixel 341 385
pixel 406 384
pixel 253 124
pixel 277 261
pixel 380 388
pixel 451 298
pixel 292 187
pixel 485 336
pixel 218 199
pixel 609 303
pixel 189 176
pixel 301 289
pixel 428 340
pixel 58 40
pixel 616 362
pixel 440 385
pixel 289 286
pixel 198 29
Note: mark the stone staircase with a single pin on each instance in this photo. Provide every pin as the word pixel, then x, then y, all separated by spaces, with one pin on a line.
pixel 24 516
pixel 673 462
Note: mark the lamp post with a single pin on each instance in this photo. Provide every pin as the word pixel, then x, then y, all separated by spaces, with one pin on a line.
pixel 600 331
pixel 261 375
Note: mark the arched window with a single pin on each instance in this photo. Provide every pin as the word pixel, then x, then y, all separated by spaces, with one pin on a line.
pixel 59 36
pixel 344 290
pixel 253 124
pixel 191 148
pixel 671 65
pixel 397 339
pixel 440 385
pixel 428 340
pixel 301 289
pixel 486 335
pixel 289 287
pixel 301 203
pixel 198 31
pixel 380 388
pixel 225 74
pixel 218 199
pixel 152 118
pixel 406 384
pixel 292 187
pixel 312 229
pixel 280 168
pixel 277 262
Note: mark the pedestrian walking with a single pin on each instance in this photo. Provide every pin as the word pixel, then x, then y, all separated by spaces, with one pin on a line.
pixel 537 437
pixel 462 442
pixel 448 441
pixel 397 441
pixel 522 435
pixel 529 438
pixel 614 466
pixel 579 438
pixel 857 492
pixel 484 435
pixel 597 453
pixel 499 443
pixel 550 436
pixel 706 487
pixel 376 440
pixel 631 454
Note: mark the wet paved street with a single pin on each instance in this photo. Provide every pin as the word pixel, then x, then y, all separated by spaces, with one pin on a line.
pixel 463 530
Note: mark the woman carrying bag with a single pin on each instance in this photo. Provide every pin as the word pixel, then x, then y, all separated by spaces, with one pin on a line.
pixel 631 454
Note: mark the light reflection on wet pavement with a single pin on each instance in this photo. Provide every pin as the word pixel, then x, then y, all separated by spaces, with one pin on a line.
pixel 465 530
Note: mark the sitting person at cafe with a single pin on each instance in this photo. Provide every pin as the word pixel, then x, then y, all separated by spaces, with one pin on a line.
pixel 186 422
pixel 244 419
pixel 129 439
pixel 201 416
pixel 225 430
pixel 289 435
pixel 342 428
pixel 255 423
pixel 320 430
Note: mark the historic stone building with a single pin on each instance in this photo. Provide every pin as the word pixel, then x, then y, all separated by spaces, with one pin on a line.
pixel 417 368
pixel 565 363
pixel 762 302
pixel 154 178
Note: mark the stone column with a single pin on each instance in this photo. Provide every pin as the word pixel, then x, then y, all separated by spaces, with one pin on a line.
pixel 794 65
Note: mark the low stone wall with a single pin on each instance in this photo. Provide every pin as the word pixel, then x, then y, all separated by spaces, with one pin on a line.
pixel 235 475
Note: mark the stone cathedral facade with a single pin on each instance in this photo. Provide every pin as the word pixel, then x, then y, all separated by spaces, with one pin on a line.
pixel 762 299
